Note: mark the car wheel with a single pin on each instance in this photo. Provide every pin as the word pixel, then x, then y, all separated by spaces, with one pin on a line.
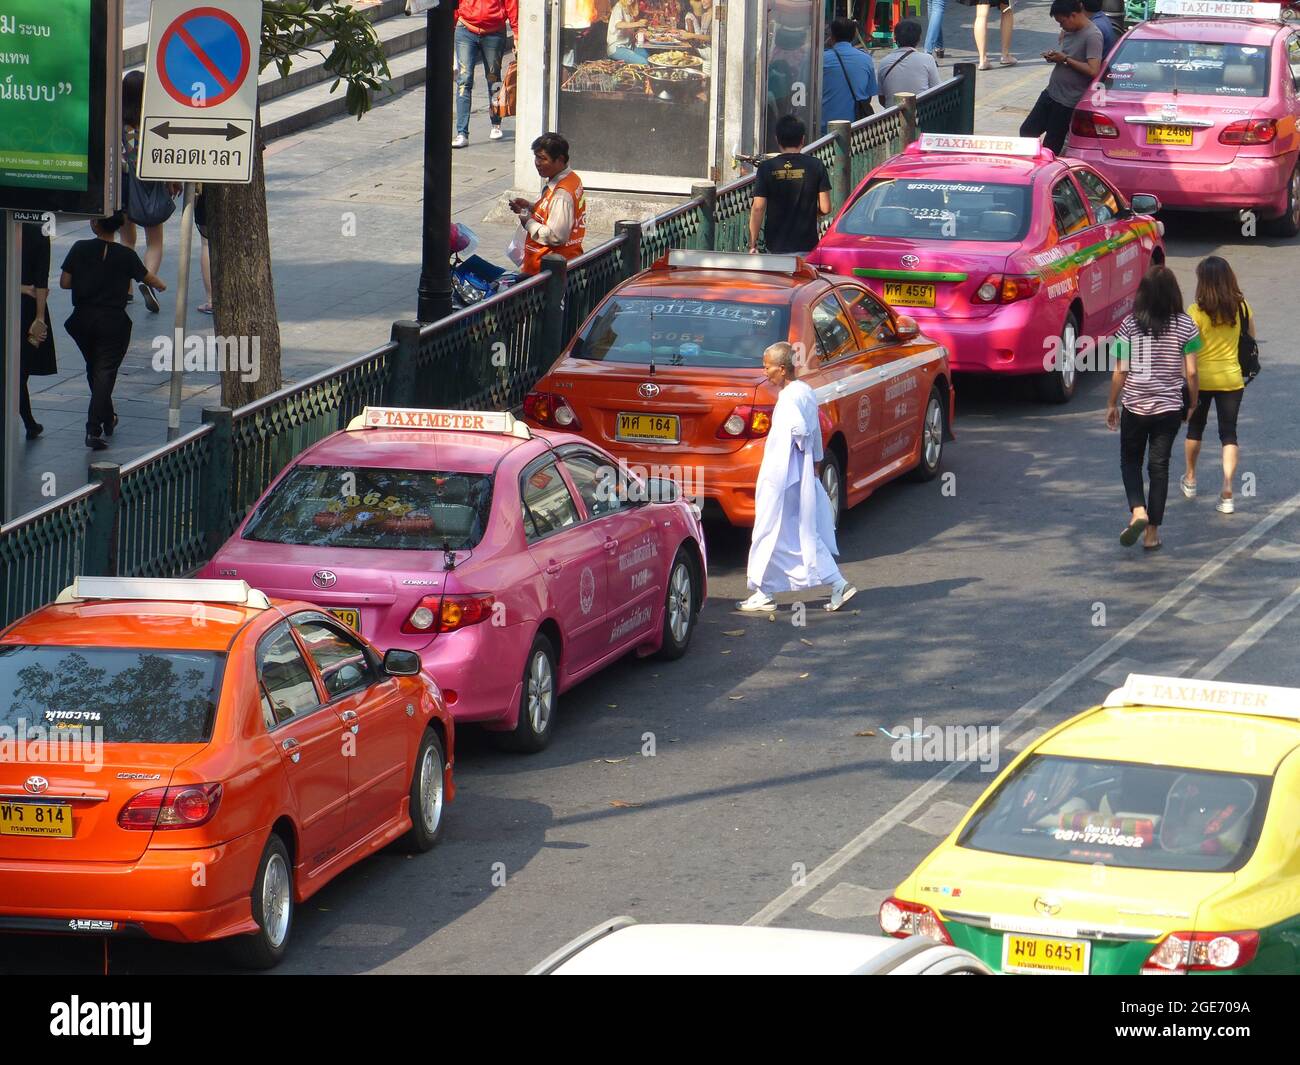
pixel 427 798
pixel 932 426
pixel 1058 385
pixel 680 608
pixel 272 898
pixel 832 479
pixel 536 701
pixel 1289 224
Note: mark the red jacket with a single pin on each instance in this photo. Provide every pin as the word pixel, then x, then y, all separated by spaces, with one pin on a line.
pixel 489 16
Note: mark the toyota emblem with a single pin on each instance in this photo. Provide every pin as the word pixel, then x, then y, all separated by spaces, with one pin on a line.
pixel 911 261
pixel 1047 905
pixel 649 390
pixel 36 785
pixel 324 578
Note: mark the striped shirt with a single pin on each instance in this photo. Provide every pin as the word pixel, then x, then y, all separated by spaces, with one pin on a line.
pixel 1155 365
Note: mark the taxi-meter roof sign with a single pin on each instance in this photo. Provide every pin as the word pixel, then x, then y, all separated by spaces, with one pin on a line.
pixel 980 145
pixel 200 95
pixel 457 421
pixel 1219 9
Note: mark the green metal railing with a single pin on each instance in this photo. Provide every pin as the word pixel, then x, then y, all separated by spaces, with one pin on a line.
pixel 166 512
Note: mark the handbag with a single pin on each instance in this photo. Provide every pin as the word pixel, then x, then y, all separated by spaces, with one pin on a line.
pixel 509 90
pixel 861 108
pixel 148 203
pixel 1247 347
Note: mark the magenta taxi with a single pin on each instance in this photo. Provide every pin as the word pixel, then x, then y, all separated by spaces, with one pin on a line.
pixel 1005 254
pixel 515 561
pixel 1201 112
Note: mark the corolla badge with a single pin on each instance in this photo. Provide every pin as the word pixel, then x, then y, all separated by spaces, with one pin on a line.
pixel 1047 905
pixel 911 261
pixel 324 578
pixel 649 390
pixel 35 785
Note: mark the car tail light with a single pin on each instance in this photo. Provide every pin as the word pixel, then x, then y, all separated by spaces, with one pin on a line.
pixel 447 613
pixel 1093 124
pixel 1249 131
pixel 1186 952
pixel 902 919
pixel 1007 288
pixel 186 806
pixel 550 410
pixel 746 421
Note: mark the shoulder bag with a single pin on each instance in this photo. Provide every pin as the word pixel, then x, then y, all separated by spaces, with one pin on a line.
pixel 861 108
pixel 1247 347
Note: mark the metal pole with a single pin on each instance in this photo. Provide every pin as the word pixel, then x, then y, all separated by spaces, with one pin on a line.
pixel 182 313
pixel 435 263
pixel 10 314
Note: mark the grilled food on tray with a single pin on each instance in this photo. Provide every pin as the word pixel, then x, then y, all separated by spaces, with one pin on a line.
pixel 676 58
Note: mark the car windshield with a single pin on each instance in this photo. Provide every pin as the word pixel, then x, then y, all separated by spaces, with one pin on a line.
pixel 938 210
pixel 1198 68
pixel 109 694
pixel 353 506
pixel 683 332
pixel 1123 814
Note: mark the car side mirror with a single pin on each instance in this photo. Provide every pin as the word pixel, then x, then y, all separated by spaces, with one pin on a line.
pixel 402 663
pixel 1144 203
pixel 905 328
pixel 662 490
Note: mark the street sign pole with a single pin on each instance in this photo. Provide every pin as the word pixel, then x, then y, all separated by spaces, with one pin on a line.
pixel 10 271
pixel 182 313
pixel 435 261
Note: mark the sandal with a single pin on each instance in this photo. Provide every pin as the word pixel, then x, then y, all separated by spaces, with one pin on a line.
pixel 1188 487
pixel 986 65
pixel 1153 547
pixel 204 308
pixel 1135 529
pixel 1009 61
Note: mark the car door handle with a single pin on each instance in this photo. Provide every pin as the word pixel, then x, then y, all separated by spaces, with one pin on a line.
pixel 554 567
pixel 841 385
pixel 289 746
pixel 611 545
pixel 350 718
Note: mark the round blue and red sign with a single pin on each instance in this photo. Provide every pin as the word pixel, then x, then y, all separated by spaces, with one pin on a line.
pixel 203 57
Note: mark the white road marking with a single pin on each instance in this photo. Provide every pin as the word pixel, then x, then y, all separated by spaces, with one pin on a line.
pixel 1212 610
pixel 1251 636
pixel 846 901
pixel 940 819
pixel 1117 672
pixel 908 805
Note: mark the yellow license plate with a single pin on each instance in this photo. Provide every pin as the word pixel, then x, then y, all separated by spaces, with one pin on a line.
pixel 1034 954
pixel 1170 135
pixel 349 617
pixel 35 819
pixel 660 428
pixel 909 294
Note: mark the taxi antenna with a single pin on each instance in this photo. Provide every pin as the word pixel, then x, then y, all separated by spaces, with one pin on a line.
pixel 448 556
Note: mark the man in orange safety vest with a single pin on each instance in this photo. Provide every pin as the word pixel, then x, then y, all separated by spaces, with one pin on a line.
pixel 557 221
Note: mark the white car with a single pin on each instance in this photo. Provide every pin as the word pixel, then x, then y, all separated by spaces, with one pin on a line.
pixel 621 947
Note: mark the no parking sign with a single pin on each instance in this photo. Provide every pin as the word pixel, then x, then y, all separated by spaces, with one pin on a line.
pixel 200 96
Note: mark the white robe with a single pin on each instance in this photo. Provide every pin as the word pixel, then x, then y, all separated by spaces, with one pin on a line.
pixel 794 528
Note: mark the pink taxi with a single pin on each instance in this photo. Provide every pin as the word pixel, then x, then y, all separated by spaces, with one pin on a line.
pixel 516 562
pixel 1202 113
pixel 1005 254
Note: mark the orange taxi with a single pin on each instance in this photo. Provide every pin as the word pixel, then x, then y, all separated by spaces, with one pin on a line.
pixel 667 374
pixel 187 760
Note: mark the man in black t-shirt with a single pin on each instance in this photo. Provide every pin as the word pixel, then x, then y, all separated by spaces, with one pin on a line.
pixel 791 191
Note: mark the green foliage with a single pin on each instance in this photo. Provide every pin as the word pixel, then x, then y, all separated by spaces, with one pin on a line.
pixel 334 30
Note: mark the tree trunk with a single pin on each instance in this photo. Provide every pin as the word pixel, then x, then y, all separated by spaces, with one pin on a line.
pixel 243 293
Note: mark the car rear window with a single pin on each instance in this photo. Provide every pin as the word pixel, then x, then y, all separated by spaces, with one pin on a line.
pixel 683 332
pixel 110 694
pixel 938 210
pixel 1198 68
pixel 402 510
pixel 1122 813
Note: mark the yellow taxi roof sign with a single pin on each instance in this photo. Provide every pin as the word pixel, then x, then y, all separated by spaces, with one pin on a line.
pixel 456 421
pixel 1191 694
pixel 971 144
pixel 1219 9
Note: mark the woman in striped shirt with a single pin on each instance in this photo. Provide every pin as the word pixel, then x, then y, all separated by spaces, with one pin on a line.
pixel 1155 350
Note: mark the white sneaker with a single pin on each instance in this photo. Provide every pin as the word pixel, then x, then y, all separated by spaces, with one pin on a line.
pixel 840 595
pixel 1225 505
pixel 758 601
pixel 460 141
pixel 1188 487
pixel 496 134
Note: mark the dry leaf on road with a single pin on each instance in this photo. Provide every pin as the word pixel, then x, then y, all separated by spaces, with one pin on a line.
pixel 868 732
pixel 620 804
pixel 733 632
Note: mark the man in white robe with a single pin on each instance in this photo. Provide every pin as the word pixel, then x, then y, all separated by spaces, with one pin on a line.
pixel 794 528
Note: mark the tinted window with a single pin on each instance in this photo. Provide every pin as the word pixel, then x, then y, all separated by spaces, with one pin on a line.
pixel 405 510
pixel 548 506
pixel 1067 204
pixel 342 661
pixel 939 210
pixel 1188 67
pixel 1293 58
pixel 597 482
pixel 683 332
pixel 834 333
pixel 111 694
pixel 867 311
pixel 287 686
pixel 1121 813
pixel 1105 204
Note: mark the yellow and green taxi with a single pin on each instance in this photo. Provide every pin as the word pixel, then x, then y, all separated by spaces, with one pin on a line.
pixel 1156 833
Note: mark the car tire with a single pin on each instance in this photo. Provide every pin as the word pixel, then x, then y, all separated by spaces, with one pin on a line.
pixel 1289 224
pixel 1059 385
pixel 272 898
pixel 832 478
pixel 681 607
pixel 933 424
pixel 537 700
pixel 427 800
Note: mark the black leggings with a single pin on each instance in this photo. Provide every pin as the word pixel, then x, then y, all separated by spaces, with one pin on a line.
pixel 1227 405
pixel 1136 432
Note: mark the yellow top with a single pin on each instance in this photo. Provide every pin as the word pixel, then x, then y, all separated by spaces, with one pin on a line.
pixel 1217 369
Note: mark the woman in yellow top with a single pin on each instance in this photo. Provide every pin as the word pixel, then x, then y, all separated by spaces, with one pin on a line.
pixel 1218 313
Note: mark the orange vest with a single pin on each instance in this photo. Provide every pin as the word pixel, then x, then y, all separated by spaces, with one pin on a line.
pixel 571 248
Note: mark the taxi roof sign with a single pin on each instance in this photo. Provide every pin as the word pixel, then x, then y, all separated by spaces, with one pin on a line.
pixel 1219 9
pixel 171 589
pixel 455 421
pixel 735 260
pixel 1028 147
pixel 1191 694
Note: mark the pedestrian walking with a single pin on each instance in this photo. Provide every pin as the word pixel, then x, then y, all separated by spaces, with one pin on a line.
pixel 1220 313
pixel 934 28
pixel 205 254
pixel 1076 60
pixel 557 222
pixel 1099 18
pixel 36 350
pixel 793 545
pixel 848 76
pixel 905 69
pixel 481 36
pixel 981 29
pixel 626 25
pixel 147 204
pixel 791 191
pixel 1155 349
pixel 99 272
